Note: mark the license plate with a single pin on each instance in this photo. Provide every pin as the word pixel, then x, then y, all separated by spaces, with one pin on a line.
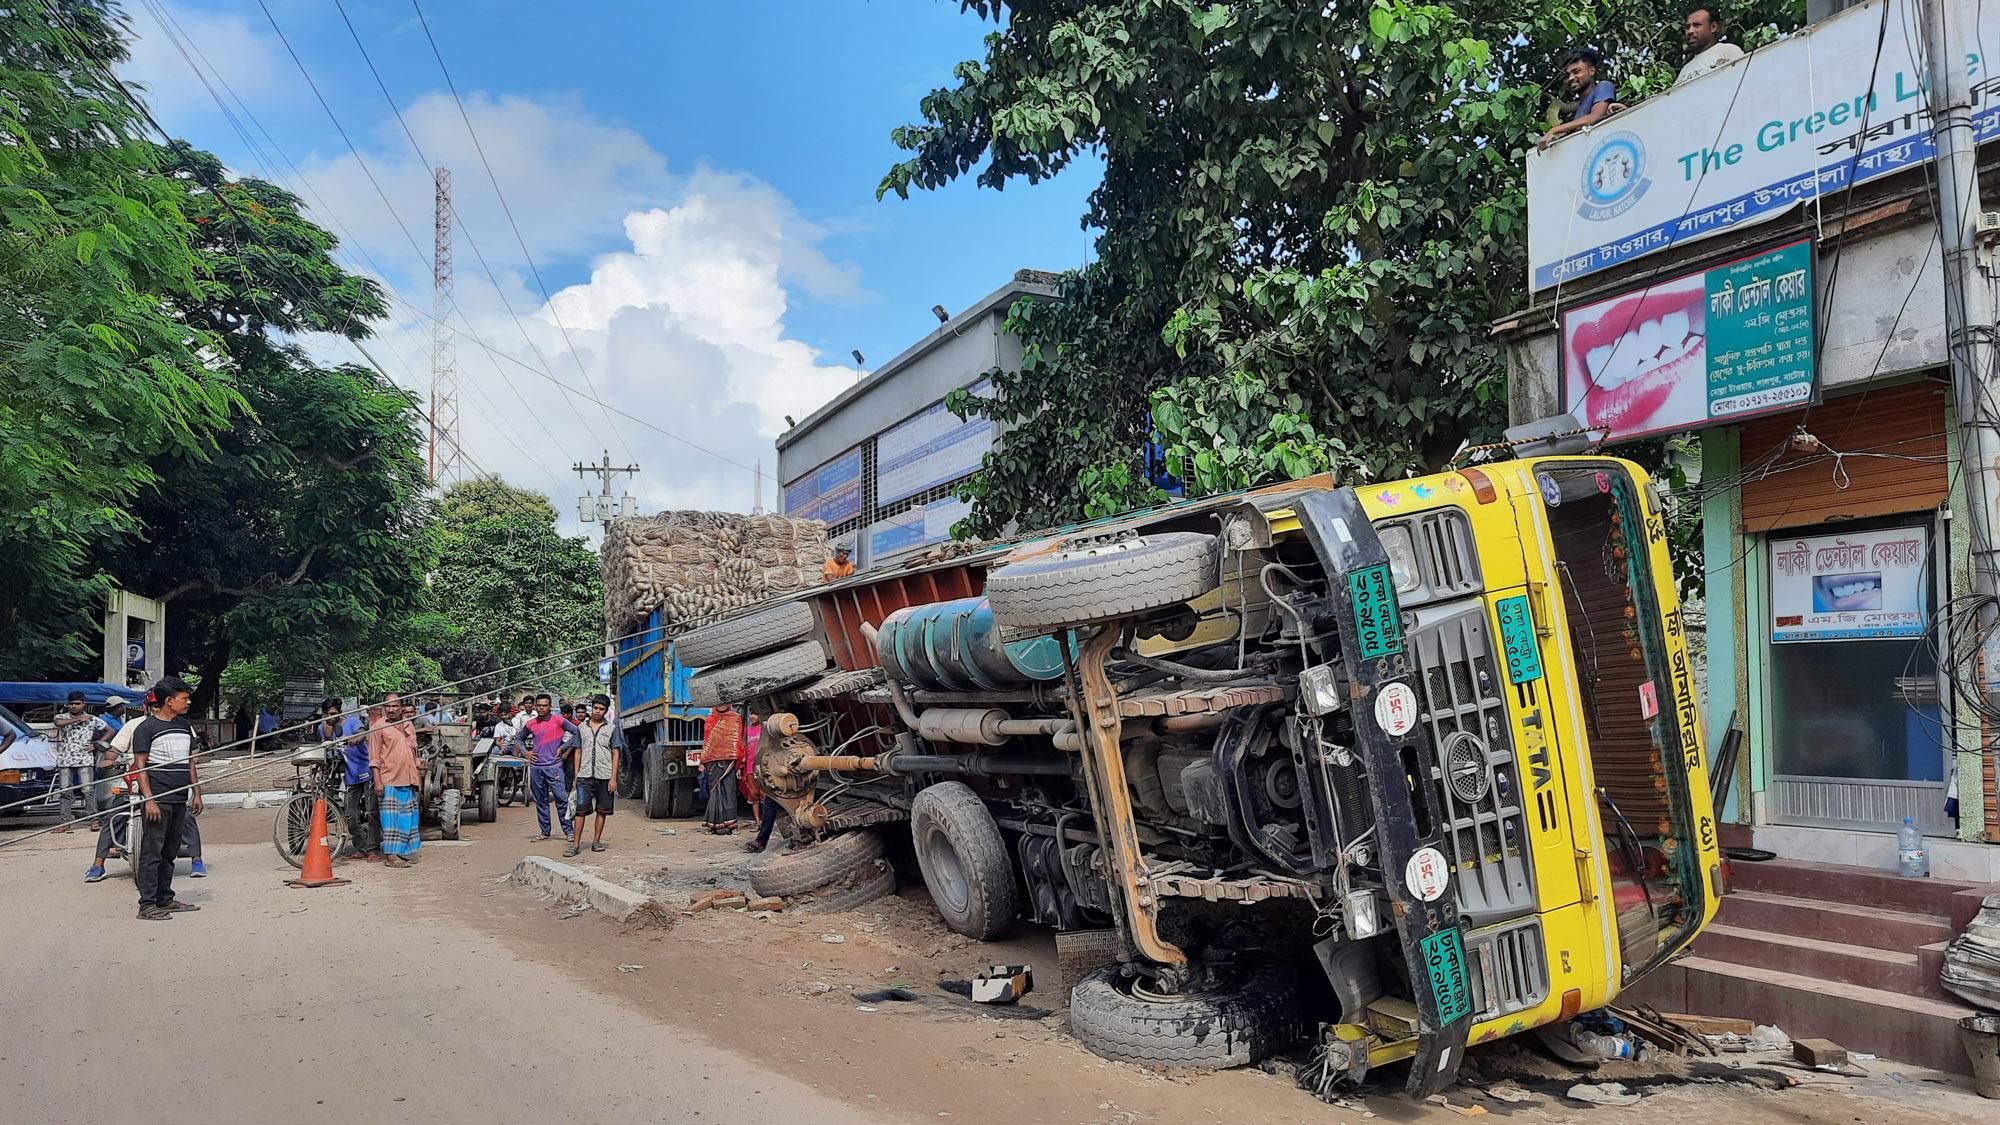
pixel 1517 639
pixel 1377 620
pixel 1444 956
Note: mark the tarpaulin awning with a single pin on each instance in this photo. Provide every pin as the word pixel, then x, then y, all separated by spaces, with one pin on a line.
pixel 25 693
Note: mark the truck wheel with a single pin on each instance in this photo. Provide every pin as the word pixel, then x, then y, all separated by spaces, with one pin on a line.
pixel 1232 1024
pixel 451 807
pixel 745 635
pixel 964 860
pixel 631 778
pixel 810 868
pixel 759 675
pixel 681 802
pixel 656 786
pixel 1102 581
pixel 489 802
pixel 851 895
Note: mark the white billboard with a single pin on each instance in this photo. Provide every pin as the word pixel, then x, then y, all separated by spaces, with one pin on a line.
pixel 1860 586
pixel 1800 119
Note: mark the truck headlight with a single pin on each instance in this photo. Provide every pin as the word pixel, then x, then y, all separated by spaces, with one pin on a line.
pixel 1402 549
pixel 1357 910
pixel 1320 689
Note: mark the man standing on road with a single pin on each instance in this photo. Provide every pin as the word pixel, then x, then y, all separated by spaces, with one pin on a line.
pixel 107 757
pixel 599 744
pixel 392 755
pixel 542 738
pixel 357 780
pixel 77 731
pixel 163 760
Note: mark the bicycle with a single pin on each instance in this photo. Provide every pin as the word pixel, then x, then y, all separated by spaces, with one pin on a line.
pixel 319 773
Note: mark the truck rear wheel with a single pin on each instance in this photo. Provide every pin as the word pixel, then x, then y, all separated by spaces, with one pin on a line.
pixel 964 860
pixel 656 787
pixel 745 635
pixel 1102 581
pixel 1233 1023
pixel 681 799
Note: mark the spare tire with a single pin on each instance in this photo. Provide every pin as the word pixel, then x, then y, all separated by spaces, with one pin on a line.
pixel 853 894
pixel 1234 1024
pixel 745 634
pixel 809 869
pixel 965 861
pixel 759 675
pixel 1101 581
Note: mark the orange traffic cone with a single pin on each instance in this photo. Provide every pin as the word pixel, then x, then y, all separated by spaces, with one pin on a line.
pixel 318 869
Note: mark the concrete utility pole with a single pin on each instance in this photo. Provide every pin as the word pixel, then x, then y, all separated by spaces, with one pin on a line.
pixel 1968 294
pixel 589 508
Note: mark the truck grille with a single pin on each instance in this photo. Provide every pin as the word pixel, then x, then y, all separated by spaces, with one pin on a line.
pixel 1477 787
pixel 1510 968
pixel 1444 553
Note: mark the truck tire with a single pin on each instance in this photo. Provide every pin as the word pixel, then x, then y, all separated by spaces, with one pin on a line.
pixel 810 868
pixel 631 777
pixel 747 634
pixel 489 802
pixel 964 860
pixel 759 675
pixel 1233 1025
pixel 1103 581
pixel 451 809
pixel 852 894
pixel 681 798
pixel 656 788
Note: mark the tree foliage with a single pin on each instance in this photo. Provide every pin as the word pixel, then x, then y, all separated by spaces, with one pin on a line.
pixel 1308 217
pixel 514 587
pixel 98 377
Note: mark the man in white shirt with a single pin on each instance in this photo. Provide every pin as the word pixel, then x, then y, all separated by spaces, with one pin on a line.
pixel 1703 33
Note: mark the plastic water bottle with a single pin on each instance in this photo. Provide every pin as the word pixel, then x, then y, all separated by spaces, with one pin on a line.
pixel 1604 1046
pixel 1912 861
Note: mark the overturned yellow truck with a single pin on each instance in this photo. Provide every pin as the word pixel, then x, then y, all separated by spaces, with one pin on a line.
pixel 1395 769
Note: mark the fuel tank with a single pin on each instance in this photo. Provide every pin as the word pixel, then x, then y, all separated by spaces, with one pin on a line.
pixel 956 646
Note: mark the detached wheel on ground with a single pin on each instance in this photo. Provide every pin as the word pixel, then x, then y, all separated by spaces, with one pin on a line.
pixel 964 860
pixel 1101 581
pixel 759 675
pixel 810 868
pixel 852 894
pixel 1234 1023
pixel 758 631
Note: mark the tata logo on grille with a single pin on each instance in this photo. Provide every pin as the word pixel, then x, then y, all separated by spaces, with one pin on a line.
pixel 1614 177
pixel 1465 767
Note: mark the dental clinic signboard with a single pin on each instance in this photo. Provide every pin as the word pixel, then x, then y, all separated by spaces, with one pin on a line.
pixel 1721 345
pixel 1860 586
pixel 1793 122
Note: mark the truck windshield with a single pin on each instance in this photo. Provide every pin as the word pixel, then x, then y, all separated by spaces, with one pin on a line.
pixel 1638 704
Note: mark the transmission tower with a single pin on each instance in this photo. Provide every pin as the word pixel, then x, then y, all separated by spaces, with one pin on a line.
pixel 445 464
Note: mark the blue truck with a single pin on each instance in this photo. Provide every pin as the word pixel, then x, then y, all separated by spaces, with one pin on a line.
pixel 661 727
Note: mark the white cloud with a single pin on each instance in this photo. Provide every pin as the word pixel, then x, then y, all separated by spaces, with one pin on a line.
pixel 246 59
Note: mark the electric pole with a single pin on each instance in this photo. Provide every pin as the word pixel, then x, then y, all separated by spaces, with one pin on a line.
pixel 599 507
pixel 1968 301
pixel 445 461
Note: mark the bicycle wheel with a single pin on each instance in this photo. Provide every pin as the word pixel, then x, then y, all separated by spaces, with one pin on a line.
pixel 293 828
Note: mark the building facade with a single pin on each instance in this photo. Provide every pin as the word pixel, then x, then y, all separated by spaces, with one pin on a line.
pixel 879 463
pixel 1754 257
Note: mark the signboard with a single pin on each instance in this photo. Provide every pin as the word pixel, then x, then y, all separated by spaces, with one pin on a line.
pixel 1800 119
pixel 920 526
pixel 929 449
pixel 1724 344
pixel 831 492
pixel 1863 585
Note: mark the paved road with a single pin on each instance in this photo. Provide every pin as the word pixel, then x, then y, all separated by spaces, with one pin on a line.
pixel 337 1005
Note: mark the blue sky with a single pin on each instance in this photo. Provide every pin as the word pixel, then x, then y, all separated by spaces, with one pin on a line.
pixel 695 181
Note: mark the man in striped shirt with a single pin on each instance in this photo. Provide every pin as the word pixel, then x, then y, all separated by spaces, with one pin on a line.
pixel 163 760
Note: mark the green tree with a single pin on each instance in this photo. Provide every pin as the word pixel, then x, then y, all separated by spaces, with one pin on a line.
pixel 98 376
pixel 1308 218
pixel 514 587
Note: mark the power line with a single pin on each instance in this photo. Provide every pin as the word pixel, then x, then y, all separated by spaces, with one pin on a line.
pixel 548 299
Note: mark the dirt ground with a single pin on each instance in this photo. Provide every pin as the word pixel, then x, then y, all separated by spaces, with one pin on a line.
pixel 506 1005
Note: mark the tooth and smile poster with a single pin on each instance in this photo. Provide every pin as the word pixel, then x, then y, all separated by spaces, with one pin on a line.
pixel 1864 585
pixel 1727 343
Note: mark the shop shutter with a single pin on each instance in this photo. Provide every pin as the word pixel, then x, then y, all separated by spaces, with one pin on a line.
pixel 1905 422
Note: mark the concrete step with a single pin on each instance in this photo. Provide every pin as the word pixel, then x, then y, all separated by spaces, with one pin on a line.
pixel 1889 970
pixel 1875 927
pixel 1856 886
pixel 1911 1029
